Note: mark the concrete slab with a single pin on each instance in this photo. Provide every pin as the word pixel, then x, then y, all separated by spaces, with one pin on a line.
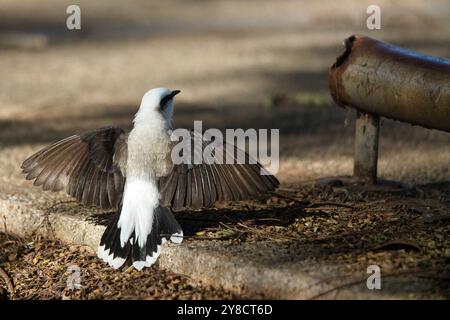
pixel 262 269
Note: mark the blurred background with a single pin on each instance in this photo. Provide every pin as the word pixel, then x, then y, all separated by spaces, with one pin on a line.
pixel 260 64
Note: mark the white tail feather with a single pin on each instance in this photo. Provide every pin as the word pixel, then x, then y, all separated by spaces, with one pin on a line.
pixel 141 197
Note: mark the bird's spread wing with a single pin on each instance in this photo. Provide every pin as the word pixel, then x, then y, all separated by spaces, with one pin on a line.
pixel 198 186
pixel 88 166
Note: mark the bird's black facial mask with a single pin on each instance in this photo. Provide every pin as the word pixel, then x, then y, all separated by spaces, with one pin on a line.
pixel 168 98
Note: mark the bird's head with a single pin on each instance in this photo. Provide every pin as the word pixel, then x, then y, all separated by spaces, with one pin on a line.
pixel 156 103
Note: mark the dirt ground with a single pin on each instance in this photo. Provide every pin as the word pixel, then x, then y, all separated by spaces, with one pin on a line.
pixel 237 66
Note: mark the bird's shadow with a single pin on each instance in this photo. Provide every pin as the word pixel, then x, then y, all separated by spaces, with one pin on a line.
pixel 193 222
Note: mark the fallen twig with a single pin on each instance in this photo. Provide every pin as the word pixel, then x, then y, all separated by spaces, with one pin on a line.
pixel 265 234
pixel 7 279
pixel 328 203
pixel 292 198
pixel 310 204
pixel 418 274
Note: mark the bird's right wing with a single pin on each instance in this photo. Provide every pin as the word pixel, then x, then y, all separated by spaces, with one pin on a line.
pixel 88 166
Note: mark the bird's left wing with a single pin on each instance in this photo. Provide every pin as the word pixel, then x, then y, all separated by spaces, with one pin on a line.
pixel 88 166
pixel 196 186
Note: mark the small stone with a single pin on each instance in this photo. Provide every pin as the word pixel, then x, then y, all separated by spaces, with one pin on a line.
pixel 12 257
pixel 447 252
pixel 431 244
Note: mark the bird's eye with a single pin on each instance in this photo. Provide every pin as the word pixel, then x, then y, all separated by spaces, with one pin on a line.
pixel 165 101
pixel 167 98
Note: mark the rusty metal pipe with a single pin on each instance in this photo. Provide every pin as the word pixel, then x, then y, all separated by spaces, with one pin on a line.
pixel 386 80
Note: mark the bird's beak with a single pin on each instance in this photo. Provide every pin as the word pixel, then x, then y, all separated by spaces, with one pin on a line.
pixel 174 93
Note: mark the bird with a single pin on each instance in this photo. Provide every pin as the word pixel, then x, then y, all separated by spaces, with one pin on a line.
pixel 132 174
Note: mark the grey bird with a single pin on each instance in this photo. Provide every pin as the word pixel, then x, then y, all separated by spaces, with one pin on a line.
pixel 133 174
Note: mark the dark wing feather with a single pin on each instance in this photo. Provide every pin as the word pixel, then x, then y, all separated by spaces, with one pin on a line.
pixel 90 167
pixel 180 193
pixel 201 185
